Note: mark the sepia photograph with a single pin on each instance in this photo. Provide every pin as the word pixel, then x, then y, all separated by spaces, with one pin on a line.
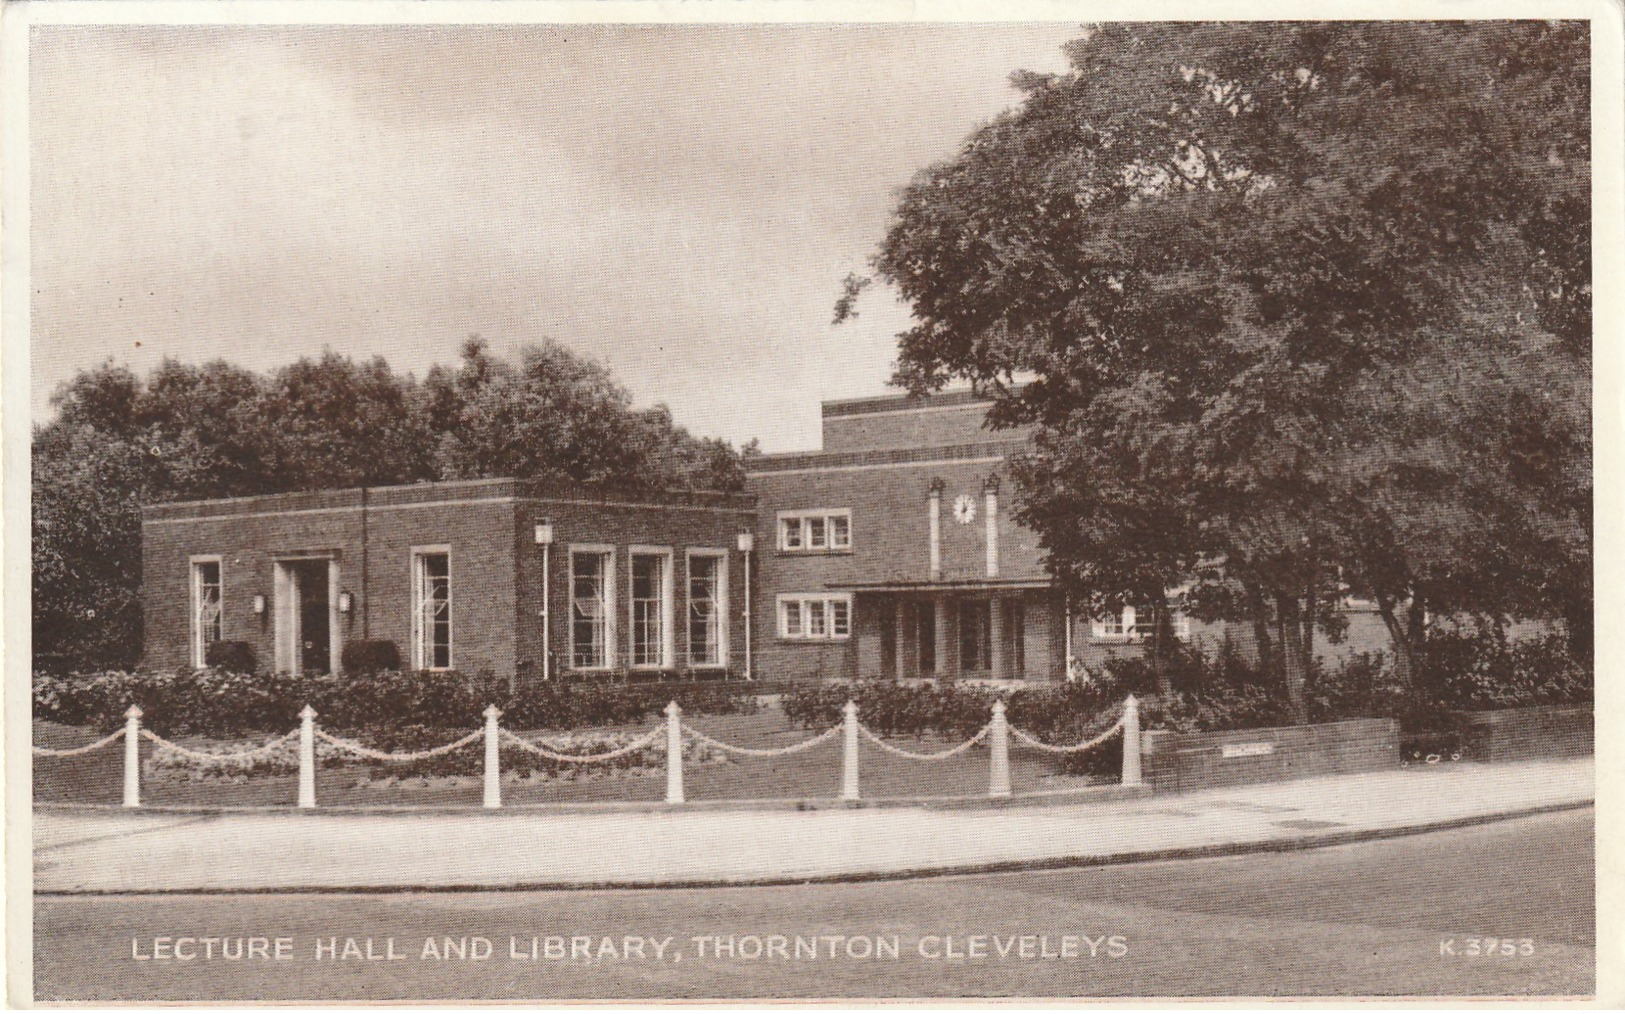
pixel 556 504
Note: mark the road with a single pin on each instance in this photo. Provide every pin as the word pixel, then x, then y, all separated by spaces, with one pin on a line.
pixel 1397 917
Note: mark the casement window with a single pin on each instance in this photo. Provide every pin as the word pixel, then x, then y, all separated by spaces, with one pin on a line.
pixel 815 617
pixel 651 608
pixel 816 531
pixel 592 592
pixel 206 597
pixel 707 608
pixel 431 608
pixel 1134 625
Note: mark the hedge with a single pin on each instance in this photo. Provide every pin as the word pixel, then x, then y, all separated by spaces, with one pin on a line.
pixel 222 703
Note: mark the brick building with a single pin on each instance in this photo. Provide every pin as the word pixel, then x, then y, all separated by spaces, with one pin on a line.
pixel 524 579
pixel 890 553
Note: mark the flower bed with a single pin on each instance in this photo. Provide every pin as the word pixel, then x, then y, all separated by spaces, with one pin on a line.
pixel 279 756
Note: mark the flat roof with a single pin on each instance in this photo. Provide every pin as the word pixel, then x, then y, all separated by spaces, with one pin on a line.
pixel 538 490
pixel 894 402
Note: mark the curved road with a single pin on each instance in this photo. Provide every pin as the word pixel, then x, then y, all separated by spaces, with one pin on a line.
pixel 1409 916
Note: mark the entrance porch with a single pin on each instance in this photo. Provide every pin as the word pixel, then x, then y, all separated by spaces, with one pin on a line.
pixel 970 633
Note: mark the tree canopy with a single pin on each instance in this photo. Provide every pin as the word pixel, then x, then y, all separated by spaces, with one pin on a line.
pixel 216 430
pixel 1297 309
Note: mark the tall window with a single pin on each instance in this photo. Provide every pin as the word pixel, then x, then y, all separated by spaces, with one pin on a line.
pixel 590 632
pixel 707 598
pixel 815 617
pixel 431 629
pixel 205 608
pixel 819 531
pixel 650 616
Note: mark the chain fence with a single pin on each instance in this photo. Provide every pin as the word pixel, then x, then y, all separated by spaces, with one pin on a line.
pixel 78 751
pixel 641 743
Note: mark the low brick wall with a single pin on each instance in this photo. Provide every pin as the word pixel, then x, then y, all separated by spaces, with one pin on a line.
pixel 1185 762
pixel 1526 733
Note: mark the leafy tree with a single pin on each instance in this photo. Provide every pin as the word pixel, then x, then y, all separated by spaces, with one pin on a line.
pixel 195 432
pixel 1273 295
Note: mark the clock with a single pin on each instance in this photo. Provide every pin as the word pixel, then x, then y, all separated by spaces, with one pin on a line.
pixel 964 509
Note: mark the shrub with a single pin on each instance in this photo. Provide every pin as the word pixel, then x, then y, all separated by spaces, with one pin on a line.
pixel 369 656
pixel 233 656
pixel 218 702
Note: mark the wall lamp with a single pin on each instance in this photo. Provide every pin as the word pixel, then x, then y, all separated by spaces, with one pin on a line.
pixel 747 542
pixel 259 605
pixel 544 532
pixel 346 602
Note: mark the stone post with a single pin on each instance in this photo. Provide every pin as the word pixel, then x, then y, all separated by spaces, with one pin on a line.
pixel 674 753
pixel 307 758
pixel 998 741
pixel 849 757
pixel 493 759
pixel 132 756
pixel 1131 741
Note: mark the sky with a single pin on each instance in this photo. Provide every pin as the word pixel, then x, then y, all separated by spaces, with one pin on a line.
pixel 680 202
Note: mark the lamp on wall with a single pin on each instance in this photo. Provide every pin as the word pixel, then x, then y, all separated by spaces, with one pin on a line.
pixel 346 602
pixel 544 532
pixel 747 542
pixel 259 605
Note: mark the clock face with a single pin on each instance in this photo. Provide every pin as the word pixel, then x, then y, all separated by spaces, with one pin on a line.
pixel 964 509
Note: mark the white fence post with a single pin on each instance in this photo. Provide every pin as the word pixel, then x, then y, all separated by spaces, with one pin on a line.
pixel 1131 741
pixel 307 758
pixel 493 760
pixel 849 758
pixel 132 756
pixel 674 753
pixel 998 738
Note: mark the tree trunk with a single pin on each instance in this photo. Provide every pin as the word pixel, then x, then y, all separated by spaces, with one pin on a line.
pixel 1406 634
pixel 1578 624
pixel 1294 664
pixel 1261 631
pixel 1162 647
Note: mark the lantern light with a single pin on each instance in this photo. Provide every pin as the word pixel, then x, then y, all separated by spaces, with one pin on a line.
pixel 747 542
pixel 346 601
pixel 544 532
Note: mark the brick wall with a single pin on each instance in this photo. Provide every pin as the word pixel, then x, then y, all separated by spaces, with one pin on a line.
pixel 1526 733
pixel 880 423
pixel 496 569
pixel 1185 762
pixel 621 525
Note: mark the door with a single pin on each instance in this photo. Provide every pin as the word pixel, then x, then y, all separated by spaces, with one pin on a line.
pixel 306 615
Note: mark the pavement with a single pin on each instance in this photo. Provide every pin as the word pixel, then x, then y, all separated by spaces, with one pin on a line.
pixel 81 851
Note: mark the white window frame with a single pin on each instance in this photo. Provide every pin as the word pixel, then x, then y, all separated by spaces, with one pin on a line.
pixel 1127 631
pixel 422 650
pixel 667 589
pixel 720 558
pixel 800 522
pixel 200 646
pixel 811 604
pixel 607 600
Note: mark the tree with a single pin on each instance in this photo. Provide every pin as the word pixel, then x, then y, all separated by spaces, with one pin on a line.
pixel 196 432
pixel 1272 289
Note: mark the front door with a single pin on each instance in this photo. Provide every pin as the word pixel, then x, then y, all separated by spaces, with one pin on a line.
pixel 305 615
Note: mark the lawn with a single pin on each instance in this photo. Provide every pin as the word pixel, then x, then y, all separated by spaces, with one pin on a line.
pixel 812 774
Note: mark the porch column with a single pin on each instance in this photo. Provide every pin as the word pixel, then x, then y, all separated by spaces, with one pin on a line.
pixel 947 644
pixel 865 621
pixel 999 653
pixel 905 635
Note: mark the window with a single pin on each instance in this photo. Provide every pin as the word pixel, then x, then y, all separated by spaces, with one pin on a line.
pixel 816 531
pixel 1134 626
pixel 815 617
pixel 707 608
pixel 591 577
pixel 651 614
pixel 205 608
pixel 431 593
